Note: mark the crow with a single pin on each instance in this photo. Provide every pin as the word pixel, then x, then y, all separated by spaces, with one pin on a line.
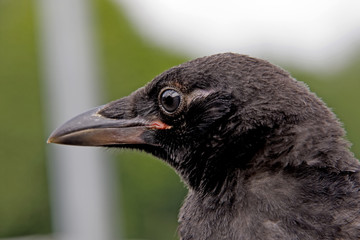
pixel 262 156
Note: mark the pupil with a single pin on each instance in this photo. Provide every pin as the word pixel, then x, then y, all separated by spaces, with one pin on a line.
pixel 170 100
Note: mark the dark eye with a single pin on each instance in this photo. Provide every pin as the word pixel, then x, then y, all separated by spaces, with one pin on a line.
pixel 170 100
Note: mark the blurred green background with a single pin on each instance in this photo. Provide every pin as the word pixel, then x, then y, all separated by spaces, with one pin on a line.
pixel 151 193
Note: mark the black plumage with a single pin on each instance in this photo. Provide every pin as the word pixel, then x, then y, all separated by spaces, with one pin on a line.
pixel 262 156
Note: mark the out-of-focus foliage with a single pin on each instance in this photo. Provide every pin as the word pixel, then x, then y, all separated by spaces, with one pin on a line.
pixel 24 205
pixel 151 193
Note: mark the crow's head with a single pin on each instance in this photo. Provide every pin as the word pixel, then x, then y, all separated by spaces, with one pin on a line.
pixel 208 118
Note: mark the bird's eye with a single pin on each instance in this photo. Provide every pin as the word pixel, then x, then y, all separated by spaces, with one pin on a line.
pixel 170 100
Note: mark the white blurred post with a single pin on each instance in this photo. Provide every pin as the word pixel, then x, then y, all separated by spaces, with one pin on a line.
pixel 79 176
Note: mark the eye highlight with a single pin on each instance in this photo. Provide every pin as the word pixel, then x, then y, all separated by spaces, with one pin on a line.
pixel 170 100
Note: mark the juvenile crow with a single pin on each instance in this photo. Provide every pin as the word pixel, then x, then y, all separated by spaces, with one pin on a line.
pixel 262 156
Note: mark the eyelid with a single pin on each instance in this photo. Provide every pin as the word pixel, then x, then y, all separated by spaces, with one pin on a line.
pixel 181 105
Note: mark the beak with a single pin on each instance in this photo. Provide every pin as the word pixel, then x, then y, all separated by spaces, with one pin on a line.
pixel 93 129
